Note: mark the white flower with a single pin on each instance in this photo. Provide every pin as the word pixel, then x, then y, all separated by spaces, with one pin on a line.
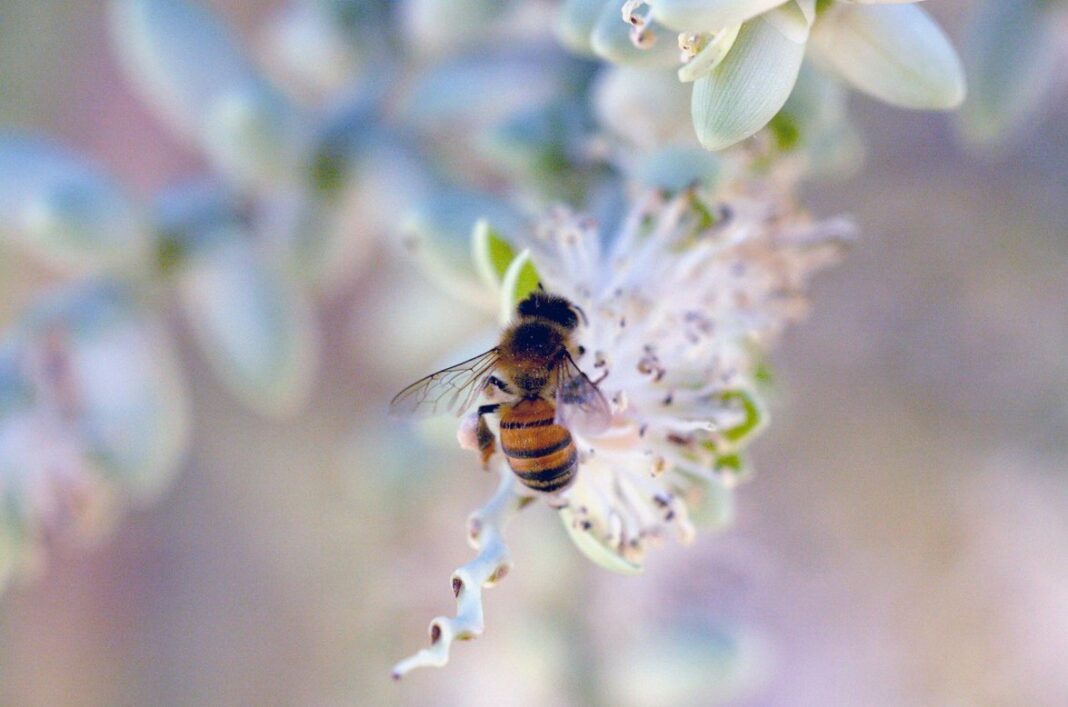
pixel 679 306
pixel 743 56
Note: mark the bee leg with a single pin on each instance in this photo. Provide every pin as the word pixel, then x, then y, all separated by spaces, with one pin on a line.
pixel 487 443
pixel 557 502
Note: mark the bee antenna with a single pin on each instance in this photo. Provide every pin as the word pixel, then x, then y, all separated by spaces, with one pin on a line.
pixel 582 314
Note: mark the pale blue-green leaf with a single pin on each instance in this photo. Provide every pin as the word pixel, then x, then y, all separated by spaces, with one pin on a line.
pixel 708 15
pixel 544 148
pixel 676 168
pixel 710 504
pixel 475 93
pixel 179 55
pixel 186 65
pixel 816 110
pixel 816 99
pixel 1011 57
pixel 364 178
pixel 893 52
pixel 65 211
pixel 120 377
pixel 575 22
pixel 437 27
pixel 436 234
pixel 133 402
pixel 684 660
pixel 254 325
pixel 646 107
pixel 308 51
pixel 594 549
pixel 836 153
pixel 748 88
pixel 254 136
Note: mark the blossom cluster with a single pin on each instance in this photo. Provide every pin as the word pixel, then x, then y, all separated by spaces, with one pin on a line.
pixel 353 123
pixel 743 57
pixel 681 305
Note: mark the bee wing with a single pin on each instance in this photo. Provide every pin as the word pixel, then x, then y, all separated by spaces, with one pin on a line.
pixel 451 389
pixel 579 403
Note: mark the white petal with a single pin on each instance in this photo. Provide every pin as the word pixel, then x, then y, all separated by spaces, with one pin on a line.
pixel 791 20
pixel 65 211
pixel 520 279
pixel 748 88
pixel 711 56
pixel 895 53
pixel 808 9
pixel 492 254
pixel 708 15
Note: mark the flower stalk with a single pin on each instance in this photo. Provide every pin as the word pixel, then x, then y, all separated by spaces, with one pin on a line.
pixel 485 533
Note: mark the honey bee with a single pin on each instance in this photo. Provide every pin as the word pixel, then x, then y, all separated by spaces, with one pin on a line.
pixel 533 364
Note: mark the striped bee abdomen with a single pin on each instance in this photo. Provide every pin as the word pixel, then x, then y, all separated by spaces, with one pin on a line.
pixel 540 452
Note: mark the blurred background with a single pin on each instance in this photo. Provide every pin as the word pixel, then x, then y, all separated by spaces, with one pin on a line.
pixel 903 541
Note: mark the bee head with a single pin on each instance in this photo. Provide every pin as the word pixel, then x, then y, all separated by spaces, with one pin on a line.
pixel 542 305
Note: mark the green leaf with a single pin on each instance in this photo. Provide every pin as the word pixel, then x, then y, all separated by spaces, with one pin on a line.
pixel 732 463
pixel 786 131
pixel 754 416
pixel 736 437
